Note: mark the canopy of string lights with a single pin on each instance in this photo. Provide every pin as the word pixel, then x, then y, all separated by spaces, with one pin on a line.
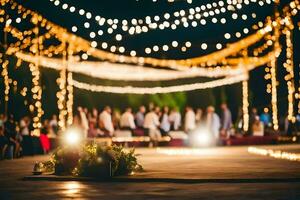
pixel 103 47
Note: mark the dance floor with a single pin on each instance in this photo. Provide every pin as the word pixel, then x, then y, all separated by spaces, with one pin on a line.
pixel 171 173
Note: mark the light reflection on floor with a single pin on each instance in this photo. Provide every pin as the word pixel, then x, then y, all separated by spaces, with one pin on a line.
pixel 186 151
pixel 73 189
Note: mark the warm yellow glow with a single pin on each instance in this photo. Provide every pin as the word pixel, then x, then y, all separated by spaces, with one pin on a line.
pixel 155 90
pixel 289 66
pixel 116 71
pixel 185 151
pixel 73 136
pixel 274 153
pixel 273 70
pixel 245 106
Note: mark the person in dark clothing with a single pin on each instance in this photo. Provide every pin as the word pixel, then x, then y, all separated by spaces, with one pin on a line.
pixel 252 118
pixel 3 143
pixel 11 134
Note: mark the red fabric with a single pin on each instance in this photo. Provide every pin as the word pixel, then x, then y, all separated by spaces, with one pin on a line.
pixel 138 132
pixel 177 143
pixel 45 142
pixel 252 140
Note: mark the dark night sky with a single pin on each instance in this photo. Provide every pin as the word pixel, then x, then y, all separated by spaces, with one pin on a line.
pixel 210 34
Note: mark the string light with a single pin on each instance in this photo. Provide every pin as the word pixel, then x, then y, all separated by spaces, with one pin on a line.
pixel 210 58
pixel 70 99
pixel 62 94
pixel 6 80
pixel 61 33
pixel 156 90
pixel 273 65
pixel 138 26
pixel 192 11
pixel 114 71
pixel 36 88
pixel 289 66
pixel 70 96
pixel 245 106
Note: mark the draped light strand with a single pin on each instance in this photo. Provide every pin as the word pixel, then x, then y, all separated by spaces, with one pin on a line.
pixel 6 79
pixel 156 90
pixel 81 44
pixel 70 92
pixel 196 16
pixel 289 66
pixel 62 94
pixel 36 89
pixel 245 106
pixel 121 49
pixel 114 71
pixel 273 70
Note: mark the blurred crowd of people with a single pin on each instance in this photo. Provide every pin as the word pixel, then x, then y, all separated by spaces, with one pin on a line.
pixel 17 138
pixel 154 122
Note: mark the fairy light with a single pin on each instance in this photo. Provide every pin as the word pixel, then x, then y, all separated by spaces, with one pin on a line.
pixel 6 80
pixel 289 66
pixel 70 91
pixel 115 71
pixel 62 94
pixel 193 14
pixel 36 88
pixel 86 46
pixel 245 106
pixel 5 64
pixel 156 90
pixel 70 99
pixel 273 65
pixel 184 17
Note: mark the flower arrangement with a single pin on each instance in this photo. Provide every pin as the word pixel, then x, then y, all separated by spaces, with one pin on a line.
pixel 90 160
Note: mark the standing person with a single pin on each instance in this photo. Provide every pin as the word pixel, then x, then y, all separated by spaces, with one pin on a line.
pixel 165 123
pixel 54 124
pixel 265 118
pixel 151 106
pixel 83 121
pixel 226 120
pixel 157 111
pixel 175 119
pixel 213 122
pixel 140 116
pixel 27 139
pixel 127 120
pixel 11 134
pixel 2 119
pixel 198 116
pixel 151 124
pixel 116 116
pixel 252 118
pixel 105 121
pixel 44 140
pixel 24 126
pixel 3 143
pixel 189 120
pixel 94 116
